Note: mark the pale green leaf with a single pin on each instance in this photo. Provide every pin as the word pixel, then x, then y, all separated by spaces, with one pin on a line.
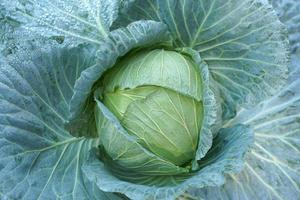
pixel 167 123
pixel 159 67
pixel 118 101
pixel 125 150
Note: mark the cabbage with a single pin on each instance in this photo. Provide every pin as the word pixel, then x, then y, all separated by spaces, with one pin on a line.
pixel 151 99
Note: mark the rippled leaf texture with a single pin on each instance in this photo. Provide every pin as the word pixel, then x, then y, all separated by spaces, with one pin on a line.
pixel 243 43
pixel 38 158
pixel 226 157
pixel 288 11
pixel 79 21
pixel 118 43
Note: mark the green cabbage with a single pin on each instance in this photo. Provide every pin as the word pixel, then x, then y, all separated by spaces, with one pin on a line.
pixel 147 93
pixel 156 100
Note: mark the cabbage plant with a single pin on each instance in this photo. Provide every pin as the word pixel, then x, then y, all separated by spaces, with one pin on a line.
pixel 149 99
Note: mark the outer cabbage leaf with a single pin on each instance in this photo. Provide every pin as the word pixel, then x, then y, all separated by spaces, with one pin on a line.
pixel 288 12
pixel 226 157
pixel 38 158
pixel 243 43
pixel 272 169
pixel 79 21
pixel 118 43
pixel 7 27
